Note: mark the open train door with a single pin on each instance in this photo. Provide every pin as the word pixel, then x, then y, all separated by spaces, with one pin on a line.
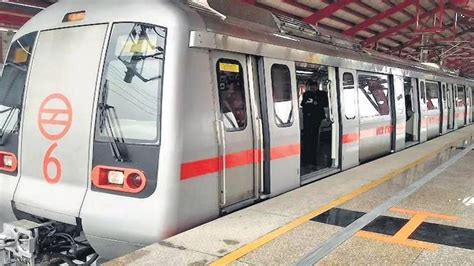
pixel 423 111
pixel 279 103
pixel 55 146
pixel 350 117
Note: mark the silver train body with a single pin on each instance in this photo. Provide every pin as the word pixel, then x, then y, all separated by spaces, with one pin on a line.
pixel 128 164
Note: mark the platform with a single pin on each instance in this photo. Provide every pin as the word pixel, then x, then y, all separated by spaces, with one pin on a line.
pixel 412 207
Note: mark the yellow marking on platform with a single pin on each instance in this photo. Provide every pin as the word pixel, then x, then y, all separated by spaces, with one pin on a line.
pixel 259 242
pixel 394 240
pixel 410 227
pixel 401 237
pixel 431 215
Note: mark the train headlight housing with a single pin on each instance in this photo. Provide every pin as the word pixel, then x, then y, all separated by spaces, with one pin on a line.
pixel 116 177
pixel 8 161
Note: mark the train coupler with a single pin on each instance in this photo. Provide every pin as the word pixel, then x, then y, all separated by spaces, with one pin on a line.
pixel 26 242
pixel 19 241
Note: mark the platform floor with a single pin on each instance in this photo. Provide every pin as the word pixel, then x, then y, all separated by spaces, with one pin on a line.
pixel 412 207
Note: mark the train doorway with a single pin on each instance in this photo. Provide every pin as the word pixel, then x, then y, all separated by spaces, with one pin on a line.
pixel 412 111
pixel 319 126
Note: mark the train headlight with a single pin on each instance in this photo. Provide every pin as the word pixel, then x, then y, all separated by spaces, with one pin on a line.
pixel 8 161
pixel 116 177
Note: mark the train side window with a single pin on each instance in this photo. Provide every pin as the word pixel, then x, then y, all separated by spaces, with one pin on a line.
pixel 373 95
pixel 282 98
pixel 231 88
pixel 432 95
pixel 350 103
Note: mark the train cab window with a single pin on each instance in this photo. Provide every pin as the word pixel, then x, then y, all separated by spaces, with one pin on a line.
pixel 282 98
pixel 460 100
pixel 432 95
pixel 231 89
pixel 348 86
pixel 130 99
pixel 373 95
pixel 13 79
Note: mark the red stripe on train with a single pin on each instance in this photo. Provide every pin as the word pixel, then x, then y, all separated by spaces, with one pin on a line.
pixel 213 165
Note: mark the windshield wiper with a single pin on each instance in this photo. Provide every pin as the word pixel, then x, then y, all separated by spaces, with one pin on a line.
pixel 108 120
pixel 10 114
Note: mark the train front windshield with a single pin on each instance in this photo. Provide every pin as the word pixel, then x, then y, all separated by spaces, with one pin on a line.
pixel 131 85
pixel 12 83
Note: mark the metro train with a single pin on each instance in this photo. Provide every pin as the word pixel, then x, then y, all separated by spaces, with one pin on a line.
pixel 126 122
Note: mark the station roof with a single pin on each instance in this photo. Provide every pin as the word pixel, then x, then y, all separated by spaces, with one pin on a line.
pixel 438 31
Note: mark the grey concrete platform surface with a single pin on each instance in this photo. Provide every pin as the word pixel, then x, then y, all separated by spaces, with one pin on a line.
pixel 241 236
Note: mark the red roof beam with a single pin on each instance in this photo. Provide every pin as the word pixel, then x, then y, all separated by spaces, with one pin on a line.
pixel 327 11
pixel 378 17
pixel 396 29
pixel 13 19
pixel 457 9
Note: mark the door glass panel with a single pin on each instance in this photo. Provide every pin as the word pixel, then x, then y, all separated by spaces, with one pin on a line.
pixel 349 95
pixel 432 95
pixel 232 94
pixel 373 95
pixel 282 98
pixel 422 91
pixel 460 101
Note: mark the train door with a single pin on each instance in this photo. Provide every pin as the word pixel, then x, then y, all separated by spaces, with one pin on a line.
pixel 433 108
pixel 375 111
pixel 55 153
pixel 319 123
pixel 472 104
pixel 423 111
pixel 444 108
pixel 281 125
pixel 236 127
pixel 350 117
pixel 460 106
pixel 399 113
pixel 468 105
pixel 455 107
pixel 412 113
pixel 450 105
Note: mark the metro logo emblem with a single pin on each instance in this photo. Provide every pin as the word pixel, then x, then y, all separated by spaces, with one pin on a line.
pixel 54 122
pixel 55 117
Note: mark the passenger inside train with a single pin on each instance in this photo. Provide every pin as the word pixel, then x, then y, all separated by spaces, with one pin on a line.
pixel 316 129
